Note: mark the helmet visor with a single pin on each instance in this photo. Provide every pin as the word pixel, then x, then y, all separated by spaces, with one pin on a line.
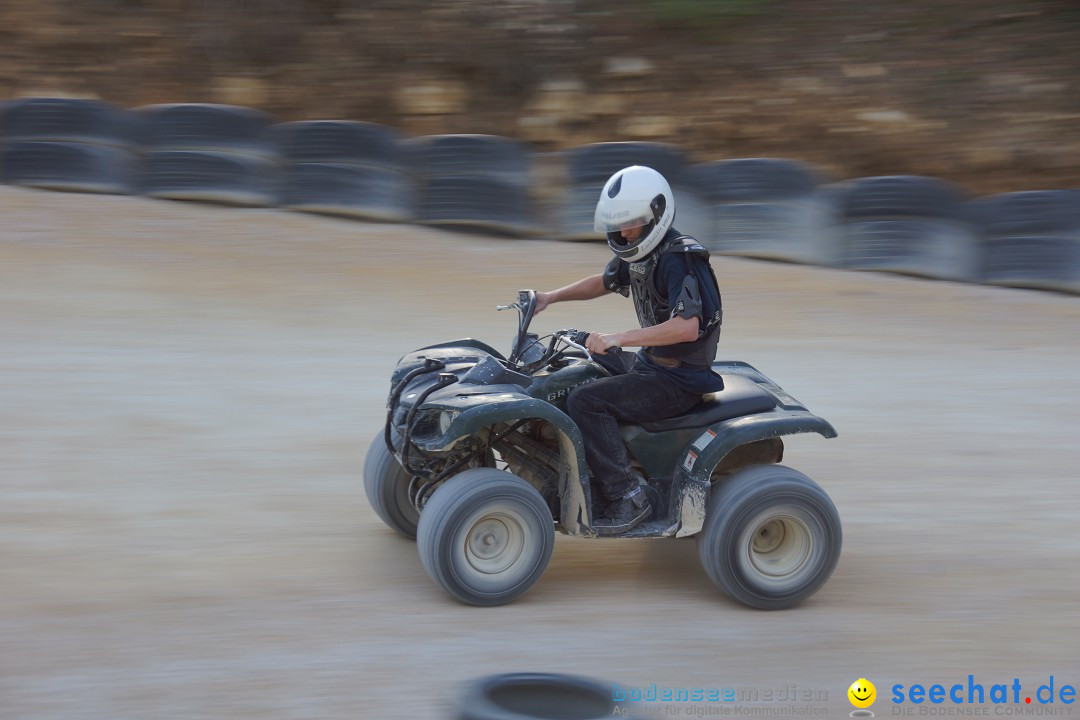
pixel 612 224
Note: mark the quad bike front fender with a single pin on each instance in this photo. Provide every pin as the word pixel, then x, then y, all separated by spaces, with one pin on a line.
pixel 465 343
pixel 694 475
pixel 477 412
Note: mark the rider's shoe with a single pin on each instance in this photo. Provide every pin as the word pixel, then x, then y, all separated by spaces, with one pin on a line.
pixel 624 514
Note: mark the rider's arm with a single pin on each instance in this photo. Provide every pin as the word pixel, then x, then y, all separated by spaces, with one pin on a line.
pixel 684 324
pixel 670 332
pixel 584 289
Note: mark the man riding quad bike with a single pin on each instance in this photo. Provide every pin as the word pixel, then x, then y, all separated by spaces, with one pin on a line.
pixel 481 458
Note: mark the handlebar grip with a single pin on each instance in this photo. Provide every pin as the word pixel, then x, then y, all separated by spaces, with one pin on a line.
pixel 581 337
pixel 578 336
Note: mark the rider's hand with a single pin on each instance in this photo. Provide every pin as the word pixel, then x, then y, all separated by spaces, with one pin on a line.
pixel 543 299
pixel 600 343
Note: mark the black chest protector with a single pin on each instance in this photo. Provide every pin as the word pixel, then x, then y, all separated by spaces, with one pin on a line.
pixel 654 307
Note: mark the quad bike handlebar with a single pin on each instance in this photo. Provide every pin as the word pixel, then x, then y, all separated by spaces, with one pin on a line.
pixel 526 307
pixel 524 341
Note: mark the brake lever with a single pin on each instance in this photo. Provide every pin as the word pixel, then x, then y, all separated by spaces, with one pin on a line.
pixel 511 306
pixel 566 339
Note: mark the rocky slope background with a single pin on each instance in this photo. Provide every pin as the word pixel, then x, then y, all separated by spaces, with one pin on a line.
pixel 985 94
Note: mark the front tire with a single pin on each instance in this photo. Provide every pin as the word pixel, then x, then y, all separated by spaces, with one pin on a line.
pixel 771 538
pixel 485 536
pixel 386 484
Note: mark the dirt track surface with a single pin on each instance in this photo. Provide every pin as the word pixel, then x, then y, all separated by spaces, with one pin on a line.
pixel 188 393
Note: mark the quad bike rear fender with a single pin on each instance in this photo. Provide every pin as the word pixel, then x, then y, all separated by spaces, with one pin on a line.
pixel 693 477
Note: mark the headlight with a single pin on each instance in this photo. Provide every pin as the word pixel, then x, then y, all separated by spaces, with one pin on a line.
pixel 445 418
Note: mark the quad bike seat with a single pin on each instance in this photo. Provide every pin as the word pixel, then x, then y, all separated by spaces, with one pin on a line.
pixel 740 396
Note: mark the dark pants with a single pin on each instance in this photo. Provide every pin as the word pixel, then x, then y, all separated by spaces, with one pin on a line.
pixel 597 407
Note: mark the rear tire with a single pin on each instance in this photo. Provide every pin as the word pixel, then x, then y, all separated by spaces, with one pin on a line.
pixel 771 538
pixel 485 536
pixel 386 484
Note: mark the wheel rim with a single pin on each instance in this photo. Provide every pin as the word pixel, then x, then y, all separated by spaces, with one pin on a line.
pixel 494 543
pixel 777 548
pixel 497 548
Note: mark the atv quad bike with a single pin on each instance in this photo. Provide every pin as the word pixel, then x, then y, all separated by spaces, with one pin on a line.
pixel 481 464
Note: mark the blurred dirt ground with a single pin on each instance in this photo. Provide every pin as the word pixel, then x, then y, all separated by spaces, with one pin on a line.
pixel 188 393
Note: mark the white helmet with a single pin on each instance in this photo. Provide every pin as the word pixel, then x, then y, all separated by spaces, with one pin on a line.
pixel 635 197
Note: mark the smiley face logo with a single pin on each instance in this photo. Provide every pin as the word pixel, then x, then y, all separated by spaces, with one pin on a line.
pixel 862 693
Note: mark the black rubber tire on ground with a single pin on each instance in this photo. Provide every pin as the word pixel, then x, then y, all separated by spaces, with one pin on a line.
pixel 1023 214
pixel 595 163
pixel 1042 262
pixel 771 538
pixel 350 190
pixel 69 120
pixel 901 196
pixel 72 166
pixel 751 180
pixel 887 244
pixel 922 247
pixel 529 696
pixel 485 536
pixel 744 226
pixel 484 156
pixel 338 142
pixel 213 176
pixel 577 212
pixel 386 485
pixel 206 126
pixel 475 201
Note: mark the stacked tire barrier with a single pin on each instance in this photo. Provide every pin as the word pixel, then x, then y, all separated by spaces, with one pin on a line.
pixel 347 168
pixel 1030 239
pixel 768 208
pixel 213 153
pixel 907 224
pixel 70 144
pixel 477 181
